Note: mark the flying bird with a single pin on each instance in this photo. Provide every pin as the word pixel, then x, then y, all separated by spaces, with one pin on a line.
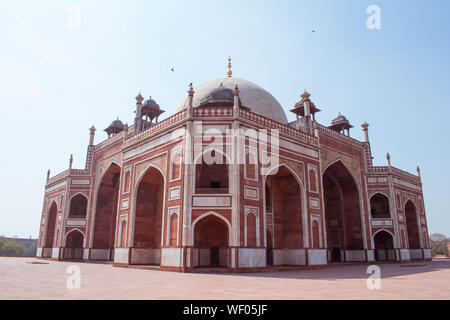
pixel 173 69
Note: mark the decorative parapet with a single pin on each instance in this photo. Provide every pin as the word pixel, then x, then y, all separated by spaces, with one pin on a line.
pixel 395 171
pixel 57 178
pixel 109 141
pixel 339 136
pixel 213 112
pixel 277 125
pixel 176 118
pixel 378 169
pixel 406 175
pixel 79 172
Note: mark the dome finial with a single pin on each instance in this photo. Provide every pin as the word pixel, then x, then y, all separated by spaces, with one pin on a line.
pixel 229 73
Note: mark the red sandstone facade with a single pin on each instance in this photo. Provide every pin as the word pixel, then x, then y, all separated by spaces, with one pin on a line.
pixel 147 197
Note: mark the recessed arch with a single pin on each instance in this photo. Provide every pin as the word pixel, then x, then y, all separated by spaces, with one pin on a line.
pixel 411 200
pixel 214 177
pixel 412 225
pixel 78 204
pixel 251 229
pixel 52 214
pixel 148 217
pixel 173 229
pixel 289 227
pixel 135 185
pixel 74 243
pixel 384 245
pixel 343 211
pixel 315 234
pixel 385 230
pixel 105 213
pixel 73 230
pixel 94 207
pixel 380 205
pixel 206 214
pixel 228 160
pixel 211 233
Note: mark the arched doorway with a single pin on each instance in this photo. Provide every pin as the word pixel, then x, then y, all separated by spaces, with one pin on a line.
pixel 379 206
pixel 411 226
pixel 50 233
pixel 211 177
pixel 78 206
pixel 384 246
pixel 74 245
pixel 342 214
pixel 148 219
pixel 284 198
pixel 211 242
pixel 105 215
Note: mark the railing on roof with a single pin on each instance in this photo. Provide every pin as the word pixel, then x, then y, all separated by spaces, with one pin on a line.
pixel 79 172
pixel 218 112
pixel 109 141
pixel 277 125
pixel 385 170
pixel 340 136
pixel 405 174
pixel 177 117
pixel 213 112
pixel 378 169
pixel 58 177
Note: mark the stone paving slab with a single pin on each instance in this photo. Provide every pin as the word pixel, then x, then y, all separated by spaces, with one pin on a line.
pixel 20 278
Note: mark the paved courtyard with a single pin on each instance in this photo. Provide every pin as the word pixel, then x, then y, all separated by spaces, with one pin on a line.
pixel 24 278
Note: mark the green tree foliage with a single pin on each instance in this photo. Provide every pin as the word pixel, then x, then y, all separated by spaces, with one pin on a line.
pixel 438 244
pixel 31 251
pixel 10 247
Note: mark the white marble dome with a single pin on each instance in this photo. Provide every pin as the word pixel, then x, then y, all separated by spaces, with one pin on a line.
pixel 252 96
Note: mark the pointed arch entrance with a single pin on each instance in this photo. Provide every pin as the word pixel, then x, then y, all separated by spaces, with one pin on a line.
pixel 50 232
pixel 342 214
pixel 211 242
pixel 74 245
pixel 412 228
pixel 384 246
pixel 147 236
pixel 78 206
pixel 284 203
pixel 105 215
pixel 379 206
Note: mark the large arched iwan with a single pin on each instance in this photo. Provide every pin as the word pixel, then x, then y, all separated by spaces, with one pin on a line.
pixel 411 225
pixel 342 211
pixel 148 217
pixel 51 224
pixel 105 214
pixel 286 202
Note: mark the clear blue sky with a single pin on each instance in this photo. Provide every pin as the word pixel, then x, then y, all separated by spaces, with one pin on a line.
pixel 55 81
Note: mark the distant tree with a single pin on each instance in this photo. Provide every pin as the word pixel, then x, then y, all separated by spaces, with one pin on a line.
pixel 31 250
pixel 10 247
pixel 2 241
pixel 438 244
